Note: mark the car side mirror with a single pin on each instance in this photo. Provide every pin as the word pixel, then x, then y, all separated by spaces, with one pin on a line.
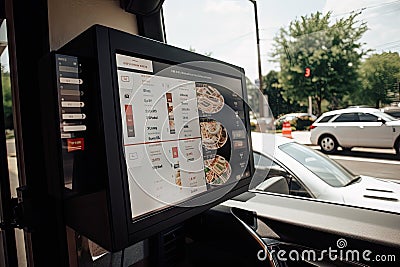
pixel 382 120
pixel 276 184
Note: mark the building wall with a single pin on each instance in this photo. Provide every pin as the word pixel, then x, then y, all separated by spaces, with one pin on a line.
pixel 69 18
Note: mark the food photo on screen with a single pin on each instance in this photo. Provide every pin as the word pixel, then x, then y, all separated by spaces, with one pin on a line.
pixel 193 139
pixel 213 134
pixel 218 170
pixel 209 98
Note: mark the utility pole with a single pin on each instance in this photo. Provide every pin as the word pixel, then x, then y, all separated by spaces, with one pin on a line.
pixel 261 100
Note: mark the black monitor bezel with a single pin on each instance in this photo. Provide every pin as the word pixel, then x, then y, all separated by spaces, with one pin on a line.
pixel 122 43
pixel 101 44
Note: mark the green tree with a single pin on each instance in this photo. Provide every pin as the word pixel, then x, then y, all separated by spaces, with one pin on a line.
pixel 380 77
pixel 332 51
pixel 277 102
pixel 7 99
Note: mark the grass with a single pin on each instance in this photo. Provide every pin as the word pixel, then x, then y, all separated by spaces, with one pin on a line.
pixel 9 134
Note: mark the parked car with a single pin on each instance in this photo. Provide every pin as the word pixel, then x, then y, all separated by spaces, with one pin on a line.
pixel 355 127
pixel 300 121
pixel 392 111
pixel 285 166
pixel 262 124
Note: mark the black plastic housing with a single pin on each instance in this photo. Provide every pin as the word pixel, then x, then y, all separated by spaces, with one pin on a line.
pixel 99 205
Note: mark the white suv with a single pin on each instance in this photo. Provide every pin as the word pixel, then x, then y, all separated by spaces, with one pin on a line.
pixel 355 127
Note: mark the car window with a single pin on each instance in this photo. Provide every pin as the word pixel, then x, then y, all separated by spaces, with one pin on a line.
pixel 326 169
pixel 366 117
pixel 326 118
pixel 347 117
pixel 384 116
pixel 260 160
pixel 395 114
pixel 267 168
pixel 262 166
pixel 297 189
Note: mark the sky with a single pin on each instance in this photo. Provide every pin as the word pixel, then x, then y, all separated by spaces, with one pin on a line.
pixel 226 28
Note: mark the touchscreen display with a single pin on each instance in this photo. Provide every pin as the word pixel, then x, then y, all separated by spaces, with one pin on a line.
pixel 183 132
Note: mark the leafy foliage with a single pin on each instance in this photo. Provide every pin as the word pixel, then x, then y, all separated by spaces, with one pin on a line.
pixel 277 103
pixel 331 51
pixel 380 77
pixel 7 99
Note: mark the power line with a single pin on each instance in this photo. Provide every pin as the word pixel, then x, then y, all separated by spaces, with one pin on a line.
pixel 382 14
pixel 390 47
pixel 383 4
pixel 388 43
pixel 367 7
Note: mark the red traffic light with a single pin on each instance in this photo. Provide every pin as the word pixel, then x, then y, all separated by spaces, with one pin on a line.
pixel 307 72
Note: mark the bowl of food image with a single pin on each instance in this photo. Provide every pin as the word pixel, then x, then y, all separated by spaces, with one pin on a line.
pixel 213 134
pixel 209 99
pixel 218 170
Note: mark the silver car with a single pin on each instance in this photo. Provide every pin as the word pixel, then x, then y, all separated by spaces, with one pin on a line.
pixel 355 127
pixel 286 167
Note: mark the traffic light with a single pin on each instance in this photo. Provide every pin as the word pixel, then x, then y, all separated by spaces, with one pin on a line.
pixel 307 72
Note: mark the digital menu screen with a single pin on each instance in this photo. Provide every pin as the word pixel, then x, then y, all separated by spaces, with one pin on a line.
pixel 183 132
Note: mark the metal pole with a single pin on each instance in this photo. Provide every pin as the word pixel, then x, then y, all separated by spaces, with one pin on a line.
pixel 261 100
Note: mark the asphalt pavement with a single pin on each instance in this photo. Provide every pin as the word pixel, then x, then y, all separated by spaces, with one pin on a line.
pixel 11 147
pixel 302 137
